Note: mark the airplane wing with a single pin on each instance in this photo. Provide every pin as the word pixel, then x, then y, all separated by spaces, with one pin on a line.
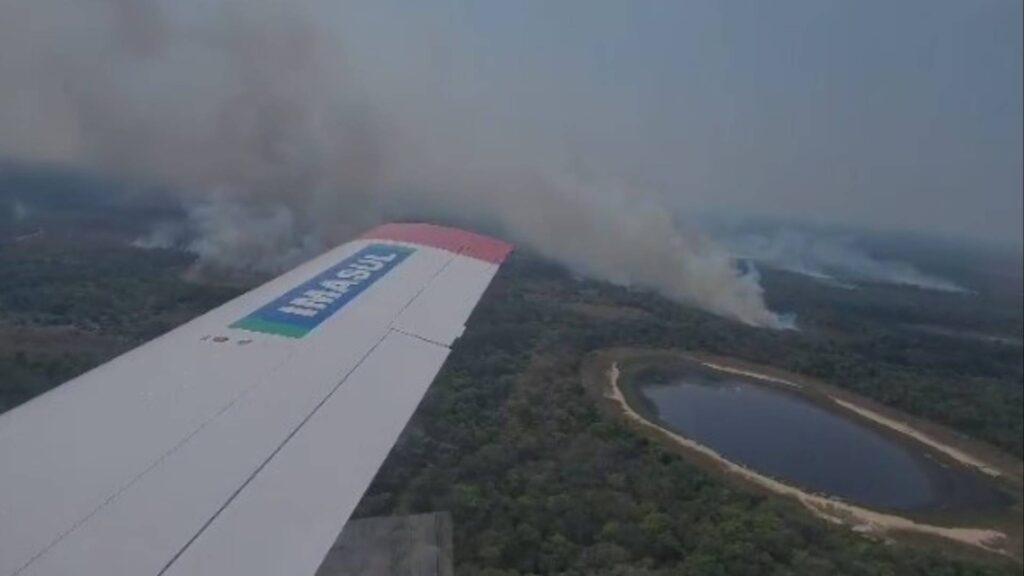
pixel 240 442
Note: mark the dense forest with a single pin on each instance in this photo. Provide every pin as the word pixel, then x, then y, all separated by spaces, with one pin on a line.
pixel 537 479
pixel 540 482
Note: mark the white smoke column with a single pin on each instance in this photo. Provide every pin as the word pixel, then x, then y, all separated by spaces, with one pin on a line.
pixel 20 211
pixel 227 234
pixel 629 241
pixel 252 112
pixel 826 257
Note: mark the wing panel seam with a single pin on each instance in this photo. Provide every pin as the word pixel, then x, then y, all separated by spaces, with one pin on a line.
pixel 273 453
pixel 138 477
pixel 391 329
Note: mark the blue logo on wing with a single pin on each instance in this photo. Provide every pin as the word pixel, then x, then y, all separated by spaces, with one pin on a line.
pixel 304 307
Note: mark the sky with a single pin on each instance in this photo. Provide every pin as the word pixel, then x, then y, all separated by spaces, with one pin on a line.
pixel 598 134
pixel 892 115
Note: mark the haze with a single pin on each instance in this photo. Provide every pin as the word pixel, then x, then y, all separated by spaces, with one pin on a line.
pixel 579 129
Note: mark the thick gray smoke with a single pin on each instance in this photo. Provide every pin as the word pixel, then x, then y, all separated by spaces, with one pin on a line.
pixel 281 143
pixel 831 259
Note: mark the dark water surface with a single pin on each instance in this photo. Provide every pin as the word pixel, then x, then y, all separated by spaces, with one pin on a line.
pixel 790 438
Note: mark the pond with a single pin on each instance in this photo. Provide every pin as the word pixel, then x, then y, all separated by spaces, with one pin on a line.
pixel 787 436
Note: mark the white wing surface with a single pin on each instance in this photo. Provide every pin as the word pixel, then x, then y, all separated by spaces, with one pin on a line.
pixel 240 442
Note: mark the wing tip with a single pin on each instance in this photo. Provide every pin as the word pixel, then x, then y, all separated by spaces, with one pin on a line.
pixel 455 240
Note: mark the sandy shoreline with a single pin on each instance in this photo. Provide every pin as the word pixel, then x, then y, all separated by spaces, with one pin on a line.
pixel 860 519
pixel 749 374
pixel 958 455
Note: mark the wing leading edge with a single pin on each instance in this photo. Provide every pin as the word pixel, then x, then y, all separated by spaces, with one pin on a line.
pixel 241 441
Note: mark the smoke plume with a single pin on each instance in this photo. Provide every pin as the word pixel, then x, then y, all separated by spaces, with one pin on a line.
pixel 835 260
pixel 281 142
